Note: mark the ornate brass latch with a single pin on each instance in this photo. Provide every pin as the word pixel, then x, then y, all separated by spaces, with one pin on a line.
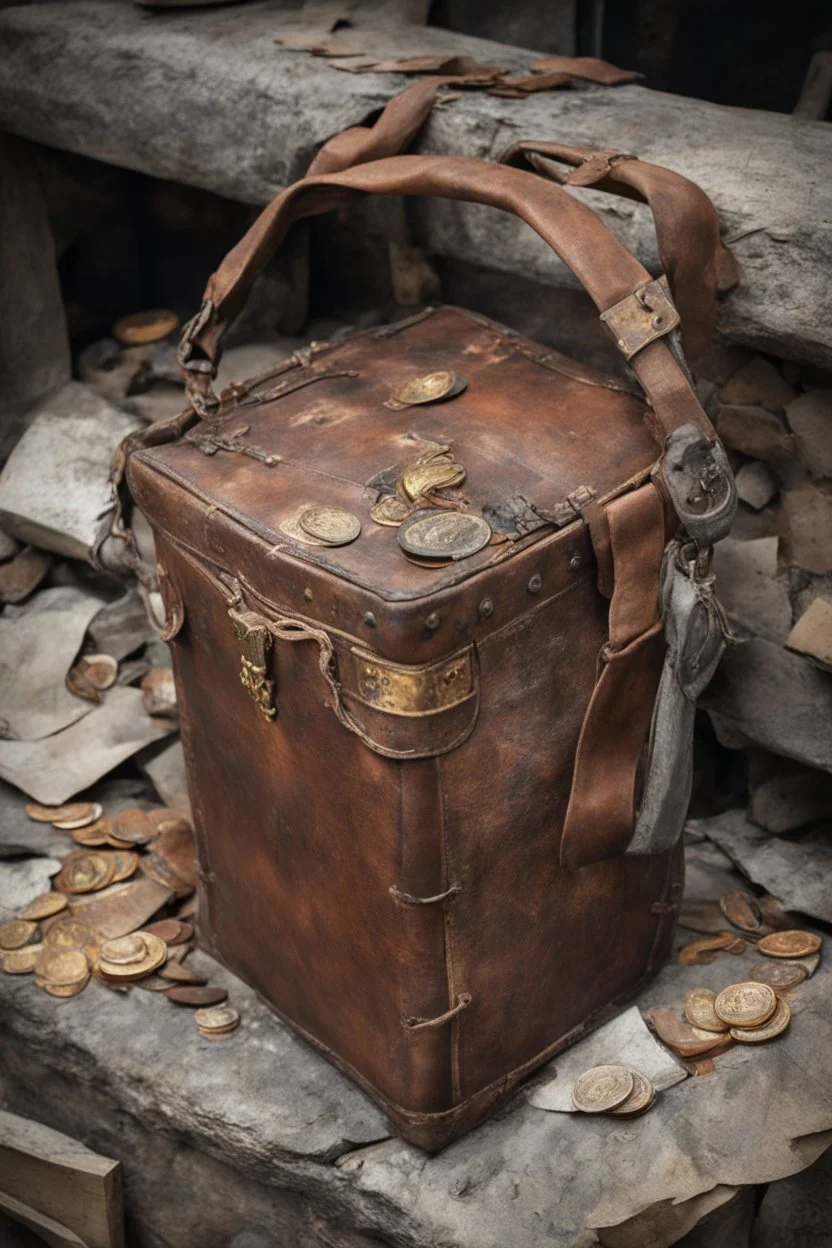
pixel 255 640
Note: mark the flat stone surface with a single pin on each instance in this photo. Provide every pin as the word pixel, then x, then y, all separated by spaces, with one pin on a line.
pixel 749 589
pixel 262 1105
pixel 208 98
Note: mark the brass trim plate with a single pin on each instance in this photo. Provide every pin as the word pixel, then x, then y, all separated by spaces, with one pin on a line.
pixel 645 315
pixel 398 689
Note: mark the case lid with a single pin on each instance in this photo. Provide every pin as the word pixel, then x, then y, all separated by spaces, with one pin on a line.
pixel 529 427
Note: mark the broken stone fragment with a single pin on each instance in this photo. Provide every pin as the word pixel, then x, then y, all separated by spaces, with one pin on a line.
pixel 756 432
pixel 749 589
pixel 55 489
pixel 812 634
pixel 808 510
pixel 810 420
pixel 785 795
pixel 758 382
pixel 756 486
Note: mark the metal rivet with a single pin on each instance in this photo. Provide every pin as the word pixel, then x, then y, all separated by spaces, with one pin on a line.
pixel 307 593
pixel 575 562
pixel 656 321
pixel 369 619
pixel 486 608
pixel 535 583
pixel 432 620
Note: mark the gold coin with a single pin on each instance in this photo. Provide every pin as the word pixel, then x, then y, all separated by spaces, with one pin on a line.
pixel 140 328
pixel 602 1088
pixel 220 1019
pixel 91 813
pixel 63 990
pixel 390 510
pixel 450 535
pixel 700 1012
pixel 44 906
pixel 21 961
pixel 438 473
pixel 747 1004
pixel 429 388
pixel 16 933
pixel 640 1099
pixel 94 834
pixel 135 827
pixel 331 525
pixel 68 933
pixel 156 952
pixel 48 814
pixel 772 1027
pixel 84 873
pixel 781 976
pixel 291 527
pixel 124 950
pixel 62 966
pixel 741 909
pixel 793 944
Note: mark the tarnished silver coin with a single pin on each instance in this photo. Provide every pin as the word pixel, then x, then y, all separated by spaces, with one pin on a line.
pixel 602 1088
pixel 331 525
pixel 443 535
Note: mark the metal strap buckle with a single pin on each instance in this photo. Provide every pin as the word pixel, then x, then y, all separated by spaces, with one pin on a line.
pixel 642 317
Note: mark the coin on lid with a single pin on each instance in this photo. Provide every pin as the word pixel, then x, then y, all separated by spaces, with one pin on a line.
pixel 747 1004
pixel 781 976
pixel 390 510
pixel 772 1027
pixel 699 1010
pixel 16 933
pixel 443 535
pixel 640 1099
pixel 602 1088
pixel 331 525
pixel 793 944
pixel 142 327
pixel 438 473
pixel 429 388
pixel 89 813
pixel 44 907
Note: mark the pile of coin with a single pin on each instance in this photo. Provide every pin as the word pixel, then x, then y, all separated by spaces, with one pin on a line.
pixel 620 1091
pixel 52 940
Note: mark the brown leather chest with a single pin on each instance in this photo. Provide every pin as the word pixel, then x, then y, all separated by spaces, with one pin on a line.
pixel 415 754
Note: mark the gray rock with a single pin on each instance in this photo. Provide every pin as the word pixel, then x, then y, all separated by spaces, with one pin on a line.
pixel 812 634
pixel 23 881
pixel 755 432
pixel 749 589
pixel 810 419
pixel 786 795
pixel 797 1212
pixel 121 627
pixel 808 511
pixel 756 486
pixel 758 382
pixel 20 835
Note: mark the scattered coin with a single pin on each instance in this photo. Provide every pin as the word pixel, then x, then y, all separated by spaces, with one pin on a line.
pixel 331 525
pixel 684 1039
pixel 699 1010
pixel 16 933
pixel 124 950
pixel 218 1020
pixel 100 670
pixel 84 873
pixel 602 1088
pixel 747 1004
pixel 793 944
pixel 741 909
pixel 170 930
pixel 185 995
pixel 175 973
pixel 166 820
pixel 44 906
pixel 140 328
pixel 21 961
pixel 63 990
pixel 430 388
pixel 156 952
pixel 62 966
pixel 69 933
pixel 390 510
pixel 450 535
pixel 153 983
pixel 291 527
pixel 781 976
pixel 700 952
pixel 48 814
pixel 91 814
pixel 640 1099
pixel 134 827
pixel 91 836
pixel 157 868
pixel 125 864
pixel 772 1027
pixel 438 473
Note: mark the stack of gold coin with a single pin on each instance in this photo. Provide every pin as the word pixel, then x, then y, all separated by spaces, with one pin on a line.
pixel 617 1090
pixel 62 972
pixel 21 961
pixel 753 1011
pixel 84 873
pixel 217 1021
pixel 128 958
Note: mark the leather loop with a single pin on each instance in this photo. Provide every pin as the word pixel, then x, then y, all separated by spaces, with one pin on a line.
pixel 697 263
pixel 600 817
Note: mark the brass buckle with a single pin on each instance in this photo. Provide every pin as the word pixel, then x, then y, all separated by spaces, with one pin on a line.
pixel 642 317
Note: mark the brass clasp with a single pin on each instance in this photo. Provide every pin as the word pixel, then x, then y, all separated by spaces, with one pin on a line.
pixel 255 640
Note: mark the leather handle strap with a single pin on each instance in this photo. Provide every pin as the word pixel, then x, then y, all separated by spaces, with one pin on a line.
pixel 599 261
pixel 697 263
pixel 398 124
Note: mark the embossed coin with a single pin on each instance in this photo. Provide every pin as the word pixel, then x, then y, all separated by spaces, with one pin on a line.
pixel 331 525
pixel 602 1088
pixel 21 961
pixel 699 1010
pixel 781 976
pixel 390 510
pixel 68 933
pixel 48 814
pixel 430 388
pixel 772 1027
pixel 792 944
pixel 741 909
pixel 91 813
pixel 62 966
pixel 747 1004
pixel 124 950
pixel 155 955
pixel 84 873
pixel 640 1099
pixel 44 906
pixel 443 535
pixel 217 1020
pixel 16 933
pixel 291 528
